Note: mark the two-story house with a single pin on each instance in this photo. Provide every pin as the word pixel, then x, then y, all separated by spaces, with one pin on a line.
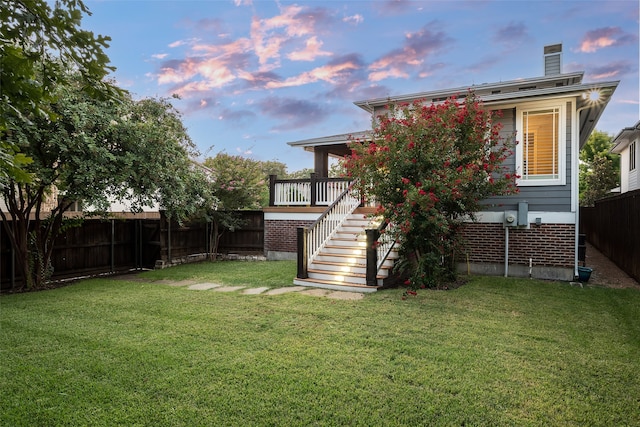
pixel 535 232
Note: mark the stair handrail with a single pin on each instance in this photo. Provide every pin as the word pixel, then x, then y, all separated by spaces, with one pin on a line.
pixel 380 243
pixel 313 238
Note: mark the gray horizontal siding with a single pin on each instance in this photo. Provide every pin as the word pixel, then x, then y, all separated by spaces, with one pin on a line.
pixel 556 198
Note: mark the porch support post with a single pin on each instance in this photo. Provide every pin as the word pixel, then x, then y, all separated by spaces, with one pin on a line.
pixel 372 256
pixel 314 190
pixel 272 190
pixel 302 253
pixel 321 162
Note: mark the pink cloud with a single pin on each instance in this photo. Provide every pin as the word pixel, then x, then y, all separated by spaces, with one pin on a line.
pixel 290 20
pixel 217 64
pixel 269 35
pixel 179 43
pixel 354 19
pixel 605 37
pixel 611 70
pixel 193 88
pixel 310 52
pixel 234 47
pixel 215 72
pixel 400 63
pixel 393 72
pixel 176 71
pixel 329 73
pixel 213 65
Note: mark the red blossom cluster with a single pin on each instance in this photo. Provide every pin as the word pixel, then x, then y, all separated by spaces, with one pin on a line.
pixel 429 166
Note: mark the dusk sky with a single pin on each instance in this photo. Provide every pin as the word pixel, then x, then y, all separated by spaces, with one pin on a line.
pixel 254 75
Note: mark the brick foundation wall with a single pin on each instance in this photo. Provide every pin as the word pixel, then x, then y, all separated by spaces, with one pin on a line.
pixel 280 235
pixel 550 245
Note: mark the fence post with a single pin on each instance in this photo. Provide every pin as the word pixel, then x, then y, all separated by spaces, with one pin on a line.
pixel 113 245
pixel 169 240
pixel 314 192
pixel 302 253
pixel 372 256
pixel 140 243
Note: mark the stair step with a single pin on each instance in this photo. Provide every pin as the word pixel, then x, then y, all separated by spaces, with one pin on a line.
pixel 336 286
pixel 356 244
pixel 336 249
pixel 351 259
pixel 334 268
pixel 341 263
pixel 341 277
pixel 350 236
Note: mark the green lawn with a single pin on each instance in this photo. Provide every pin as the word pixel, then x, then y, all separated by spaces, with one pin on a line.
pixel 496 351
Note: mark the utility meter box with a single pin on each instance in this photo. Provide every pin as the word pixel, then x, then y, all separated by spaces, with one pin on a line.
pixel 523 214
pixel 510 219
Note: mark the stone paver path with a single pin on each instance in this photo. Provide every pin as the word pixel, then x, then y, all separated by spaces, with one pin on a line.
pixel 280 291
pixel 215 287
pixel 303 290
pixel 229 288
pixel 203 286
pixel 254 291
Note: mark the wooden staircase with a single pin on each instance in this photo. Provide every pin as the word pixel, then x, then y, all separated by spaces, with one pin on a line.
pixel 341 262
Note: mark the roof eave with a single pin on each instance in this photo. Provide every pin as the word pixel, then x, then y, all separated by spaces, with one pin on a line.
pixel 330 140
pixel 370 104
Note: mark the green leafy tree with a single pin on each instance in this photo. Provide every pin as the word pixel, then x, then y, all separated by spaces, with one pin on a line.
pixel 38 43
pixel 96 151
pixel 599 180
pixel 273 167
pixel 300 174
pixel 429 167
pixel 599 168
pixel 239 181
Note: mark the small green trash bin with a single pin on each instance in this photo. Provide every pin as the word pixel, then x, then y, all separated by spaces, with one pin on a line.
pixel 584 273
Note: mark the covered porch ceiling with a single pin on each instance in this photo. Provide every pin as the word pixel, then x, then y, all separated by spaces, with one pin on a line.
pixel 334 145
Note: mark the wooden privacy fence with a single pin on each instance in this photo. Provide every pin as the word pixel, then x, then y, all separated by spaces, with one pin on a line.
pixel 613 226
pixel 119 245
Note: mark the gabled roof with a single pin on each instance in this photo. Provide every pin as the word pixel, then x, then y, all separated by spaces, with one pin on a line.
pixel 523 90
pixel 624 137
pixel 497 94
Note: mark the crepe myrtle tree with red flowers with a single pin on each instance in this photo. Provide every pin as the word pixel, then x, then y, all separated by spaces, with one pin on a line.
pixel 429 167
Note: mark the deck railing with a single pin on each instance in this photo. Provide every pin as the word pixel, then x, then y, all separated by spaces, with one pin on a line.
pixel 305 192
pixel 380 243
pixel 313 238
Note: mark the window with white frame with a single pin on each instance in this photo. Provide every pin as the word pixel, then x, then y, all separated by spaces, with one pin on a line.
pixel 632 156
pixel 540 155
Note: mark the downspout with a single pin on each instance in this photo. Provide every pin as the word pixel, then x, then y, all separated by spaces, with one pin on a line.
pixel 506 252
pixel 576 188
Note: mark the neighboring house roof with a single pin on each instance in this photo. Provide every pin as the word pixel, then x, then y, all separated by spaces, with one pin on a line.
pixel 624 138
